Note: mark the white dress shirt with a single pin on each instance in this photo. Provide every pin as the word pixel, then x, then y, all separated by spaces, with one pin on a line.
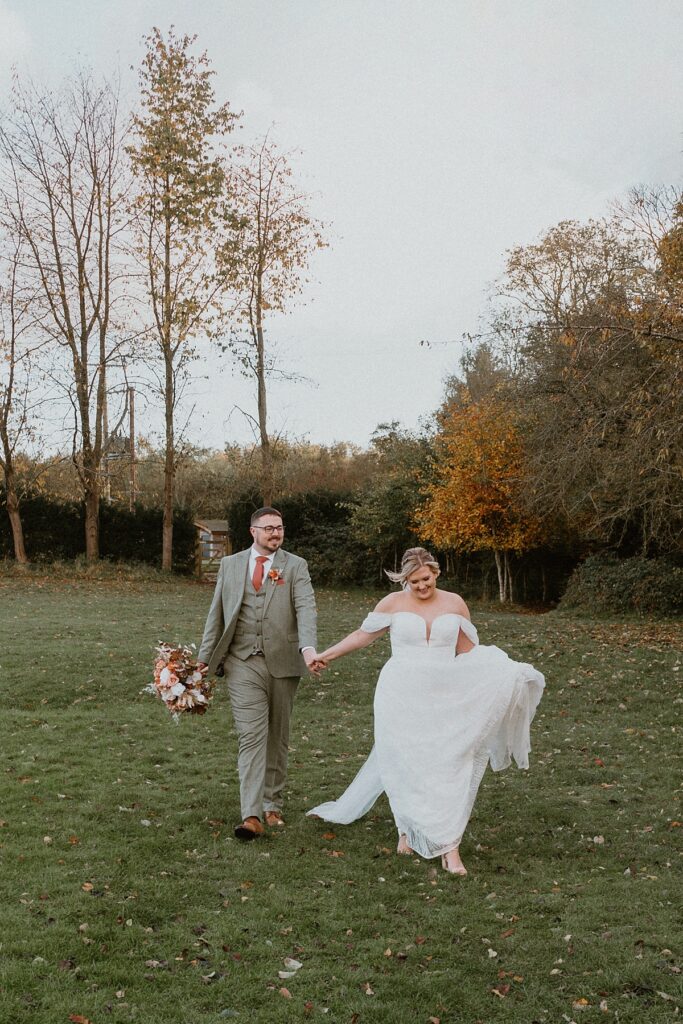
pixel 253 555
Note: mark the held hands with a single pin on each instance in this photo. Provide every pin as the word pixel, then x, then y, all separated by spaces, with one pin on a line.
pixel 314 663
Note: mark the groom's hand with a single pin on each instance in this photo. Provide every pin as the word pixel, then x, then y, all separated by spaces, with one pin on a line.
pixel 310 656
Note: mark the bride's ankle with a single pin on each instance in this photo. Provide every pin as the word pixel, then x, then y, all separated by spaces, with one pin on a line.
pixel 452 862
pixel 403 844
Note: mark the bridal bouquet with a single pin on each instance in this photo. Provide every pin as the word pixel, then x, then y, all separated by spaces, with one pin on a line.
pixel 178 681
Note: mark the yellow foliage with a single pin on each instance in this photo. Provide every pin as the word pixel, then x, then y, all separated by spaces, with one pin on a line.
pixel 475 502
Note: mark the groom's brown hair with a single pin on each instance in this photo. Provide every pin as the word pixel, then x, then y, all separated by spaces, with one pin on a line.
pixel 266 511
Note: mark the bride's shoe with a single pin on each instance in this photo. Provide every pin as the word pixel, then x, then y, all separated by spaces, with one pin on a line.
pixel 403 845
pixel 451 863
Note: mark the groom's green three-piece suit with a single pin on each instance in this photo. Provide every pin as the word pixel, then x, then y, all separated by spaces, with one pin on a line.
pixel 255 637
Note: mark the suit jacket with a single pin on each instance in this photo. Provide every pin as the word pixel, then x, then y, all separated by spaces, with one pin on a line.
pixel 289 614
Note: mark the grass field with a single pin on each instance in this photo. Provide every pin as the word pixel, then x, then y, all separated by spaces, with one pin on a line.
pixel 125 897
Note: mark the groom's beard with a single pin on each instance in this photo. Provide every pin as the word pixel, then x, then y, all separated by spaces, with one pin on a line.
pixel 271 546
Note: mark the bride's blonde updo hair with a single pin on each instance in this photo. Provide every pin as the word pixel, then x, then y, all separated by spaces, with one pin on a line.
pixel 413 558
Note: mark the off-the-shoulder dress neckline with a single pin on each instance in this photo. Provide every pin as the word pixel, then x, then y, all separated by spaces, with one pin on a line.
pixel 429 625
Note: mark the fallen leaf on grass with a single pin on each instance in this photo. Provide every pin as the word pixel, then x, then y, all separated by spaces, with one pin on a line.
pixel 501 991
pixel 77 1018
pixel 291 964
pixel 329 835
pixel 285 993
pixel 367 989
pixel 213 976
pixel 580 1004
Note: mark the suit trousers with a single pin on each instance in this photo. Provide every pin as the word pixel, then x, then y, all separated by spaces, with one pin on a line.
pixel 261 708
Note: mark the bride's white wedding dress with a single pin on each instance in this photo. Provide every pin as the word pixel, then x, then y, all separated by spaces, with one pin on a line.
pixel 439 719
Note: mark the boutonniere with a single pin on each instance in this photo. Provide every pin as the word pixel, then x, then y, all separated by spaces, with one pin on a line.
pixel 276 577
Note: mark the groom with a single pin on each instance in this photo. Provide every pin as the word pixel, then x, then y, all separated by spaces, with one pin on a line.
pixel 261 633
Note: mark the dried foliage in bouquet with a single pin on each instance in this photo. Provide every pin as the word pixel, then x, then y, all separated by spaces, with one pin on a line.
pixel 178 681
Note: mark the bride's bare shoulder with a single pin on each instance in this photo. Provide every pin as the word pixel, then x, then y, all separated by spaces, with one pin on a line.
pixel 390 603
pixel 456 605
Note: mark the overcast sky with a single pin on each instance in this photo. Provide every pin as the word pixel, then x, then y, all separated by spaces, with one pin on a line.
pixel 435 134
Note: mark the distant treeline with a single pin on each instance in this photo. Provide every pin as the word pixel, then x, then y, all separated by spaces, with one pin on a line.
pixel 53 529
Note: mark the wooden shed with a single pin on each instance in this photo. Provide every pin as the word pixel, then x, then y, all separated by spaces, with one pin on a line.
pixel 213 543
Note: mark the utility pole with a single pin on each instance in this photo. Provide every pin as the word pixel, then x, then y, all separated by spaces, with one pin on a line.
pixel 131 436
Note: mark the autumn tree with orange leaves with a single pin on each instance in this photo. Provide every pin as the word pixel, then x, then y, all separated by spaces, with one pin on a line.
pixel 475 501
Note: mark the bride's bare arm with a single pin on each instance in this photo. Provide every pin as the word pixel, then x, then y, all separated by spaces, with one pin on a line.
pixel 353 642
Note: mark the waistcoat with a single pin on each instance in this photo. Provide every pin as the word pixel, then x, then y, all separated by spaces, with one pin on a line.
pixel 248 636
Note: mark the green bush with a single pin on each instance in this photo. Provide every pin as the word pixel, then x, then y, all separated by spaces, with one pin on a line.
pixel 604 583
pixel 318 528
pixel 54 530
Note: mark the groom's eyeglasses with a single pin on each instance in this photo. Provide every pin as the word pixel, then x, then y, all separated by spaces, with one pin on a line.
pixel 271 529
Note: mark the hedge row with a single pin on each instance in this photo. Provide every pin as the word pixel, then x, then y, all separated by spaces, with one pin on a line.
pixel 55 530
pixel 647 586
pixel 318 527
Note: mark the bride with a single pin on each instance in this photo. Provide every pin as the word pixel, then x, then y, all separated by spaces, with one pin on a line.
pixel 444 708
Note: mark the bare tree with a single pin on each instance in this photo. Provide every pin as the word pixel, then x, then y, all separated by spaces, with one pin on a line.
pixel 271 237
pixel 179 184
pixel 62 183
pixel 15 385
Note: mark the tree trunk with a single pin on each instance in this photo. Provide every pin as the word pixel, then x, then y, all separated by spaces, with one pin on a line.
pixel 169 476
pixel 167 528
pixel 92 523
pixel 501 576
pixel 15 517
pixel 169 396
pixel 508 576
pixel 262 402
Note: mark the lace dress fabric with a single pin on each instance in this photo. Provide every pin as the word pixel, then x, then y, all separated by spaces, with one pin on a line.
pixel 439 720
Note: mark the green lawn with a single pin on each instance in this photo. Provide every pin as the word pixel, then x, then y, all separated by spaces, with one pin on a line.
pixel 125 897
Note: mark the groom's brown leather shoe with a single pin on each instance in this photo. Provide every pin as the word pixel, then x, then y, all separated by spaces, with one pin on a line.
pixel 249 829
pixel 274 819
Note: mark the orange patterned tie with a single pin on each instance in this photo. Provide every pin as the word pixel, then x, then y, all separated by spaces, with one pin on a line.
pixel 257 578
